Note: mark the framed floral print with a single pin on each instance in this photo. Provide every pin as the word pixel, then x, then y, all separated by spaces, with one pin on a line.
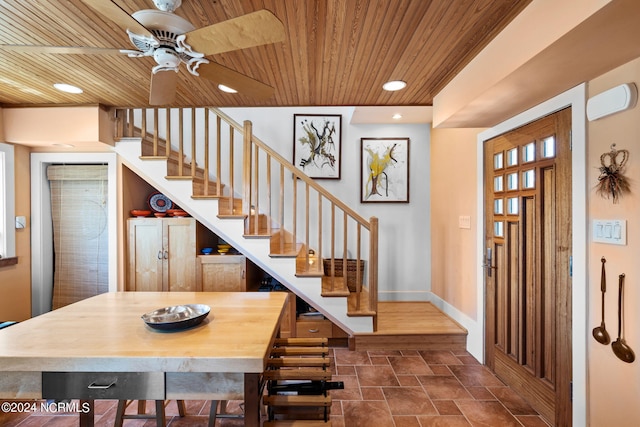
pixel 317 144
pixel 384 170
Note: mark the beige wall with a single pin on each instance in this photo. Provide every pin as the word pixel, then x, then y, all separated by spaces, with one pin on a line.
pixel 614 386
pixel 454 191
pixel 15 280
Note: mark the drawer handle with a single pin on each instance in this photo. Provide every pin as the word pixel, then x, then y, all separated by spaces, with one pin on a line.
pixel 314 331
pixel 94 386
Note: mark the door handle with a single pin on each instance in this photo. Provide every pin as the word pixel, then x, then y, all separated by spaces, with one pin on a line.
pixel 166 254
pixel 488 261
pixel 160 254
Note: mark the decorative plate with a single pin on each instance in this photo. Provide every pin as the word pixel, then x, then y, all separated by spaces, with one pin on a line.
pixel 176 317
pixel 158 202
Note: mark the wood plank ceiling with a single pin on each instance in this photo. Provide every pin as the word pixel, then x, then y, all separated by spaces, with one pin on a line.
pixel 336 52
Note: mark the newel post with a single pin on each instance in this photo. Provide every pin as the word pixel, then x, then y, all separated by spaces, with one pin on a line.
pixel 246 167
pixel 373 269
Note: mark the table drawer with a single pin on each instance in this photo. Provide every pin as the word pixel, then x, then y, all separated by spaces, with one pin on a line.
pixel 103 385
pixel 314 328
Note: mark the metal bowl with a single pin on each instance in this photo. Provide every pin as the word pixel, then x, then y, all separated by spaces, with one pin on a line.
pixel 176 317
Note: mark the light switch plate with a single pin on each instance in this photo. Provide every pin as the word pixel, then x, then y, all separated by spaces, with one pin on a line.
pixel 21 222
pixel 612 231
pixel 464 221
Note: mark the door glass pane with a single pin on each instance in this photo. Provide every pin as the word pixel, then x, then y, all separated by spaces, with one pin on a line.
pixel 528 179
pixel 497 183
pixel 498 161
pixel 512 157
pixel 549 147
pixel 512 205
pixel 529 152
pixel 498 229
pixel 512 181
pixel 498 207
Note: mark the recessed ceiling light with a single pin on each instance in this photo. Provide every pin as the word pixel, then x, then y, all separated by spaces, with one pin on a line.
pixel 227 89
pixel 67 88
pixel 396 116
pixel 394 85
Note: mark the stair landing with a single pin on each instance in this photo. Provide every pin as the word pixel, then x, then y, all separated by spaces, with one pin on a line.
pixel 411 326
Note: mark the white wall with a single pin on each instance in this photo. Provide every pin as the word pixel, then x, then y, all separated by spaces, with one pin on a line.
pixel 404 241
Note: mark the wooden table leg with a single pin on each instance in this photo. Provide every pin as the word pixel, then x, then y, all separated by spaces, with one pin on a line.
pixel 86 417
pixel 252 400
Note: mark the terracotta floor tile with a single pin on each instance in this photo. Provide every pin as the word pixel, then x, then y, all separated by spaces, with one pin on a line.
pixel 376 376
pixel 345 357
pixel 487 413
pixel 532 421
pixel 351 389
pixel 408 380
pixel 481 393
pixel 379 360
pixel 373 353
pixel 409 365
pixel 408 401
pixel 406 421
pixel 372 393
pixel 448 388
pixel 440 357
pixel 512 401
pixel 366 414
pixel 447 407
pixel 440 370
pixel 444 421
pixel 473 376
pixel 345 370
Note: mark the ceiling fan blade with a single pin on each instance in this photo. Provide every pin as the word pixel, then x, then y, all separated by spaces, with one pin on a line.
pixel 246 85
pixel 253 29
pixel 63 50
pixel 115 13
pixel 163 87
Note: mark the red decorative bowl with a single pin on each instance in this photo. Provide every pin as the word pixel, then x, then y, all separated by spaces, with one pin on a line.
pixel 140 213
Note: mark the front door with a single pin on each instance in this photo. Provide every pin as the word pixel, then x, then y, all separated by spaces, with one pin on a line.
pixel 528 262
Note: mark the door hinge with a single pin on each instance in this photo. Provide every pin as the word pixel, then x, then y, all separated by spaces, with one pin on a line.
pixel 570 140
pixel 570 265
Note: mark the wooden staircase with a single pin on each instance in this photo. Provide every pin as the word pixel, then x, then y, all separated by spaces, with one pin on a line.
pixel 254 195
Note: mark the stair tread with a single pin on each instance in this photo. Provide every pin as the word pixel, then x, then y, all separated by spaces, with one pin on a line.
pixel 302 342
pixel 299 351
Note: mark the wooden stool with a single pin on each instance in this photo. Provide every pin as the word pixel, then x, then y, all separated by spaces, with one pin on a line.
pixel 161 420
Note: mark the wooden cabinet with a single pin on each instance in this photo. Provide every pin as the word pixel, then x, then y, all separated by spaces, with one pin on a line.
pixel 225 273
pixel 161 254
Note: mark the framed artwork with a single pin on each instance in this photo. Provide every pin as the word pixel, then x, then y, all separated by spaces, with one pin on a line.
pixel 384 170
pixel 317 144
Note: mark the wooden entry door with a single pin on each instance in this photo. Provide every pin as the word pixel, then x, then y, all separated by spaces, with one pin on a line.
pixel 528 263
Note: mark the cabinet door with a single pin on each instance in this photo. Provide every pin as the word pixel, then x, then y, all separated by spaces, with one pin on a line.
pixel 145 254
pixel 179 269
pixel 223 273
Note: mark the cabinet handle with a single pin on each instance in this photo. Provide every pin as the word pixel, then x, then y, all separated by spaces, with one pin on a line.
pixel 159 254
pixel 314 331
pixel 94 386
pixel 166 255
pixel 243 272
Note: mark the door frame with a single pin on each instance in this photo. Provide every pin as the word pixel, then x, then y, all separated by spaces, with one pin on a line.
pixel 42 229
pixel 576 99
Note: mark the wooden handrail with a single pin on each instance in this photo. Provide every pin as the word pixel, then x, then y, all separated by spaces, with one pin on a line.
pixel 257 194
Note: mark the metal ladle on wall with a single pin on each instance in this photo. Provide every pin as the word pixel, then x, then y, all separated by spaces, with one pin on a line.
pixel 620 347
pixel 600 332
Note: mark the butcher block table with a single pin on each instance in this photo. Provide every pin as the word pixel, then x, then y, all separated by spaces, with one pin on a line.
pixel 100 348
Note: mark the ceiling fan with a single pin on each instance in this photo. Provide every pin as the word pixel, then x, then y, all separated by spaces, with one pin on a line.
pixel 172 40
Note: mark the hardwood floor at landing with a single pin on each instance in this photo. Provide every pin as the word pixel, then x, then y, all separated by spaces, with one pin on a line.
pixel 382 389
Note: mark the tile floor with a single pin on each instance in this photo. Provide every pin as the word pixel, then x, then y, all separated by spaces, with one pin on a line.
pixel 382 389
